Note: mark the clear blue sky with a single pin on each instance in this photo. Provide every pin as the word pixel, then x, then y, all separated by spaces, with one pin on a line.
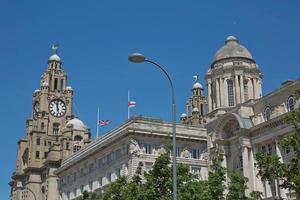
pixel 96 37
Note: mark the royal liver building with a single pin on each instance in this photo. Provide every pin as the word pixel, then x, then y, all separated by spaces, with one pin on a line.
pixel 234 117
pixel 52 134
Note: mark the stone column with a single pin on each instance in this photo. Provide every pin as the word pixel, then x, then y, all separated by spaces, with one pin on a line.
pixel 259 88
pixel 250 89
pixel 247 169
pixel 237 95
pixel 254 87
pixel 279 191
pixel 222 92
pixel 242 89
pixel 209 95
pixel 225 92
pixel 217 93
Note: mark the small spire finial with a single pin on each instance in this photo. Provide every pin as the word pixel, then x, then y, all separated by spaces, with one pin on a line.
pixel 196 78
pixel 55 48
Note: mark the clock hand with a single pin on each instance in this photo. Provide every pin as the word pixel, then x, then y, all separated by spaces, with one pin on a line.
pixel 57 106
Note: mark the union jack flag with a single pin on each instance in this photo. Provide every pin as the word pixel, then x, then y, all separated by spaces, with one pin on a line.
pixel 103 122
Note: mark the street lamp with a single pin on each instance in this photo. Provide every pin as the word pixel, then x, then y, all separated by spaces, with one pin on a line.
pixel 139 58
pixel 21 187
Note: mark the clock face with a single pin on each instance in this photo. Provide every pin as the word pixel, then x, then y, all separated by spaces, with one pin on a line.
pixel 57 108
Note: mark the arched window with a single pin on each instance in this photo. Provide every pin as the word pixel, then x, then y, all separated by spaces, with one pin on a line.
pixel 230 93
pixel 267 113
pixel 77 138
pixel 290 103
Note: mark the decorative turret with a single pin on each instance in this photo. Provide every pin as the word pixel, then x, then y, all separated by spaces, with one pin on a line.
pixel 195 105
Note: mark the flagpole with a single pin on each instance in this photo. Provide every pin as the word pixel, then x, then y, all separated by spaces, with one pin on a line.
pixel 97 122
pixel 128 107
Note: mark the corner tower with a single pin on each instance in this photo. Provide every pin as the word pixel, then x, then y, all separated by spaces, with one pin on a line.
pixel 195 106
pixel 233 77
pixel 50 136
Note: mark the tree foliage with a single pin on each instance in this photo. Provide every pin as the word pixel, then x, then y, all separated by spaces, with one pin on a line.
pixel 237 187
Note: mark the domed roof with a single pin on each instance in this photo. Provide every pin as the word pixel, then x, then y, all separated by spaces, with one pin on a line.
pixel 232 49
pixel 197 85
pixel 55 57
pixel 76 124
pixel 183 115
pixel 69 88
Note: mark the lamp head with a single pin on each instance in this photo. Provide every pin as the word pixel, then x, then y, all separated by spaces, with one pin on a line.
pixel 136 58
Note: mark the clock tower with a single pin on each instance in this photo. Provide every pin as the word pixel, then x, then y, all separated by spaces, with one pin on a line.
pixel 52 134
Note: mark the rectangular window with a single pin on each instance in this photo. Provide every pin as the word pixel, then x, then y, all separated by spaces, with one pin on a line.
pixel 81 172
pixel 148 148
pixel 99 162
pixel 270 149
pixel 37 155
pixel 195 170
pixel 38 141
pixel 100 181
pixel 148 166
pixel 55 83
pixel 45 154
pixel 287 150
pixel 49 143
pixel 74 176
pixel 263 148
pixel 81 189
pixel 67 145
pixel 195 153
pixel 178 151
pixel 91 168
pixel 62 84
pixel 108 177
pixel 90 186
pixel 118 172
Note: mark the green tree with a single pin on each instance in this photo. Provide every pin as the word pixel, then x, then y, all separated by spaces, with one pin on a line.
pixel 237 187
pixel 255 195
pixel 195 190
pixel 116 190
pixel 216 178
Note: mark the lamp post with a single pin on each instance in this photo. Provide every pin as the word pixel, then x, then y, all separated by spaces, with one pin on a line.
pixel 139 58
pixel 21 187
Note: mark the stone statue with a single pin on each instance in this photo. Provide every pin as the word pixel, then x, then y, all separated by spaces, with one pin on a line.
pixel 161 150
pixel 186 153
pixel 196 78
pixel 134 148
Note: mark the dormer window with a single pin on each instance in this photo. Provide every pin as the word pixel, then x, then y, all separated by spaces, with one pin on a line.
pixel 291 103
pixel 267 113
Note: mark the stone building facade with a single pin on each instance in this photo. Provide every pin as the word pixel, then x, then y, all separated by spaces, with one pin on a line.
pixel 119 151
pixel 242 122
pixel 52 134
